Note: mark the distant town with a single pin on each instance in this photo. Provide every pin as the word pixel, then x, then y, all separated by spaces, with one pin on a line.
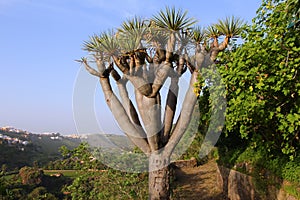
pixel 58 136
pixel 7 138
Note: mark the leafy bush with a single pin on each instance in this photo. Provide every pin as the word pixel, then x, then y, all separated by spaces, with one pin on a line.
pixel 110 184
pixel 263 84
pixel 258 159
pixel 31 176
pixel 41 193
pixel 291 170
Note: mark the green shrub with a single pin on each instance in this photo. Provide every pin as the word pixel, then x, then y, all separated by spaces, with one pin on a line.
pixel 41 193
pixel 291 170
pixel 31 176
pixel 110 184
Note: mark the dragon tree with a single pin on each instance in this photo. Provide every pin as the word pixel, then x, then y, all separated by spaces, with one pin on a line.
pixel 146 53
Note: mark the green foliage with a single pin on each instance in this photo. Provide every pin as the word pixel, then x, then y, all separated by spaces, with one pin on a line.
pixel 110 184
pixel 31 176
pixel 259 159
pixel 79 158
pixel 41 193
pixel 32 183
pixel 211 109
pixel 261 133
pixel 230 26
pixel 293 190
pixel 202 110
pixel 126 160
pixel 41 148
pixel 3 186
pixel 173 19
pixel 291 170
pixel 263 84
pixel 3 169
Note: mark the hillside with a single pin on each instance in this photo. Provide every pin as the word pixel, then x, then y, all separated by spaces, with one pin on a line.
pixel 19 148
pixel 109 141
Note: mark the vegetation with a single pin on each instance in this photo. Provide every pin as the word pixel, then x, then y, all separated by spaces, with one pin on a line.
pixel 262 80
pixel 110 184
pixel 79 158
pixel 263 87
pixel 261 133
pixel 86 182
pixel 31 176
pixel 39 151
pixel 262 126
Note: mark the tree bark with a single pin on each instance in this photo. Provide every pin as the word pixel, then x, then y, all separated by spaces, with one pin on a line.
pixel 159 177
pixel 122 118
pixel 184 117
pixel 170 109
pixel 152 123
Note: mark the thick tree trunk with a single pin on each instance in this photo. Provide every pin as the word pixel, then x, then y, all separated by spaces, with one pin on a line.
pixel 159 178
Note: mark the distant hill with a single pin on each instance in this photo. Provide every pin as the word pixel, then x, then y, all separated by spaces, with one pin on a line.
pixel 20 148
pixel 109 141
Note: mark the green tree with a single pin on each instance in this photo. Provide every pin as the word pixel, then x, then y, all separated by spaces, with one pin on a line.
pixel 262 79
pixel 94 185
pixel 146 53
pixel 64 151
pixel 41 193
pixel 31 176
pixel 78 158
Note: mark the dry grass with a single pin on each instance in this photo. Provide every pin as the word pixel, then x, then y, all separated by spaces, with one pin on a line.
pixel 197 183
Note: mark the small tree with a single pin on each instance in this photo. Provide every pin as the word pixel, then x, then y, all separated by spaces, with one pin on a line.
pixel 146 53
pixel 41 193
pixel 31 176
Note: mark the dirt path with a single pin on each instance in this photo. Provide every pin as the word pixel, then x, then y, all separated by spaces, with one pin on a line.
pixel 199 183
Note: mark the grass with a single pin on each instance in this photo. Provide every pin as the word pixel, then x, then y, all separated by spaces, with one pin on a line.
pixel 9 177
pixel 293 190
pixel 109 184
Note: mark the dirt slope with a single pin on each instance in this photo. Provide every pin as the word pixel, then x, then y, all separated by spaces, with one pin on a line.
pixel 199 183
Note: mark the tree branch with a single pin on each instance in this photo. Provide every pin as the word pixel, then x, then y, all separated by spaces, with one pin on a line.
pixel 170 47
pixel 170 109
pixel 122 118
pixel 224 44
pixel 185 116
pixel 117 109
pixel 99 61
pixel 161 75
pixel 129 107
pixel 200 56
pixel 140 84
pixel 214 53
pixel 121 63
pixel 90 69
pixel 152 120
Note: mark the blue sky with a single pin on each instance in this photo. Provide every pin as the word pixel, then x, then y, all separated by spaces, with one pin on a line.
pixel 40 39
